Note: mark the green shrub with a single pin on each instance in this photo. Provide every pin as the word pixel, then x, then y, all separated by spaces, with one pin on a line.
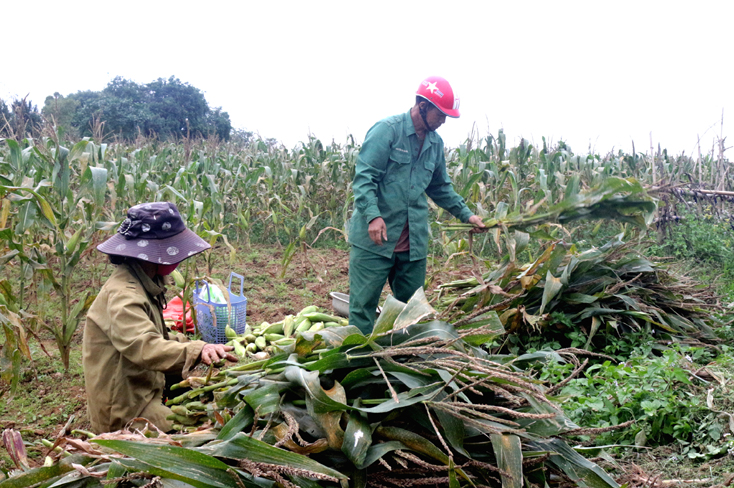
pixel 706 242
pixel 667 403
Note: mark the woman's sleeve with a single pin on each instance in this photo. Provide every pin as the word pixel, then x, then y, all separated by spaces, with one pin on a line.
pixel 138 339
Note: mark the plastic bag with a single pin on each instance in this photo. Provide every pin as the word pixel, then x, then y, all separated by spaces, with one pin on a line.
pixel 173 315
pixel 212 294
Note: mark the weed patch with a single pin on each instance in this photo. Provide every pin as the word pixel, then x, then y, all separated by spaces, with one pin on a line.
pixel 670 398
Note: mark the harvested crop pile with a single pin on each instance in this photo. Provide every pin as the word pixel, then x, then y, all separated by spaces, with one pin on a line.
pixel 610 290
pixel 412 404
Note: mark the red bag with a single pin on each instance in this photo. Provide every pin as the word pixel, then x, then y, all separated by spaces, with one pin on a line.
pixel 174 312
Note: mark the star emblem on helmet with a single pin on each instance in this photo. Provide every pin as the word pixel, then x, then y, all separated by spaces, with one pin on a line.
pixel 432 87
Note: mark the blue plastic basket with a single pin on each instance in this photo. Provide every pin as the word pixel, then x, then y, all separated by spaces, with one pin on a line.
pixel 213 317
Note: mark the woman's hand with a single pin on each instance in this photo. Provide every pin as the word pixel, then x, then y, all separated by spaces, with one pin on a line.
pixel 211 353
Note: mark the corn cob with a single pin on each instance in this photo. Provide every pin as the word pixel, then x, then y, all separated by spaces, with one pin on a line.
pixel 321 317
pixel 289 325
pixel 274 328
pixel 309 309
pixel 303 326
pixel 178 278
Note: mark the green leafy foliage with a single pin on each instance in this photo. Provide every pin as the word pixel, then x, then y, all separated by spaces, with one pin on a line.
pixel 658 394
pixel 61 110
pixel 253 190
pixel 704 240
pixel 582 299
pixel 19 119
pixel 613 198
pixel 164 108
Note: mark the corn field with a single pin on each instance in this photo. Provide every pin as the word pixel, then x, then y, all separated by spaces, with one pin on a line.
pixel 60 198
pixel 267 194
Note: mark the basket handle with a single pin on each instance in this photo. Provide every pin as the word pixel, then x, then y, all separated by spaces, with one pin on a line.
pixel 208 291
pixel 242 281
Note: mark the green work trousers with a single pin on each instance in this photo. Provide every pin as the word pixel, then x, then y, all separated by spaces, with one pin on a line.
pixel 367 275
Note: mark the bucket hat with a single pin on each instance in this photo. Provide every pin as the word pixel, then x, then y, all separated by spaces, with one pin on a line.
pixel 154 232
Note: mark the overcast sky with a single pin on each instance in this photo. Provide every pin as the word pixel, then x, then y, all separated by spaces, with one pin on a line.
pixel 597 74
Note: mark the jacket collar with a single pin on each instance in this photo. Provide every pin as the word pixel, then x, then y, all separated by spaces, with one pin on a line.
pixel 409 127
pixel 410 130
pixel 154 286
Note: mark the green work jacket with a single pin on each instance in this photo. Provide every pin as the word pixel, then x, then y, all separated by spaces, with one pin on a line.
pixel 392 181
pixel 126 352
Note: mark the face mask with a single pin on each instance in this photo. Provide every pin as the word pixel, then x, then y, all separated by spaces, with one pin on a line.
pixel 166 269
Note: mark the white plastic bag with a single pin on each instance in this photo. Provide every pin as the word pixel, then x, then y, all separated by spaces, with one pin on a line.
pixel 212 294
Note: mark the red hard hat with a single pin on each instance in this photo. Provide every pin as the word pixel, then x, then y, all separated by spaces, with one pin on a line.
pixel 438 91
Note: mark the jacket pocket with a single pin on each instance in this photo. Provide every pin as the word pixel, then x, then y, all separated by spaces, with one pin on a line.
pixel 399 161
pixel 425 174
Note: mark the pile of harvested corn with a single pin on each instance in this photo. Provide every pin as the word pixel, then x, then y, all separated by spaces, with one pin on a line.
pixel 280 336
pixel 195 406
pixel 413 400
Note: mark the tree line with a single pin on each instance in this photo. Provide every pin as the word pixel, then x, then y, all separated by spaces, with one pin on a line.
pixel 164 108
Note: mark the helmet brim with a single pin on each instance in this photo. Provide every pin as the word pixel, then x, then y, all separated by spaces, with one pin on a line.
pixel 453 113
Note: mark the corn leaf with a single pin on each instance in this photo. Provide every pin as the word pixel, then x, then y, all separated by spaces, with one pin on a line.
pixel 413 441
pixel 452 428
pixel 240 421
pixel 96 181
pixel 26 217
pixel 77 151
pixel 197 480
pixel 45 474
pixel 377 451
pixel 405 399
pixel 585 473
pixel 340 360
pixel 357 439
pixel 416 310
pixel 115 470
pixel 453 480
pixel 577 298
pixel 329 420
pixel 489 323
pixel 595 324
pixel 189 465
pixel 545 427
pixel 4 212
pixel 552 286
pixel 390 312
pixel 357 376
pixel 508 452
pixel 245 447
pixel 309 381
pixel 433 329
pixel 265 398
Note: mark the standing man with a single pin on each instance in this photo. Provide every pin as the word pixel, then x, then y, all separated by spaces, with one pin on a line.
pixel 401 161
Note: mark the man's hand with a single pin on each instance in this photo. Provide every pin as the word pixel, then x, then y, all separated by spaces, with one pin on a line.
pixel 378 231
pixel 479 227
pixel 211 353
